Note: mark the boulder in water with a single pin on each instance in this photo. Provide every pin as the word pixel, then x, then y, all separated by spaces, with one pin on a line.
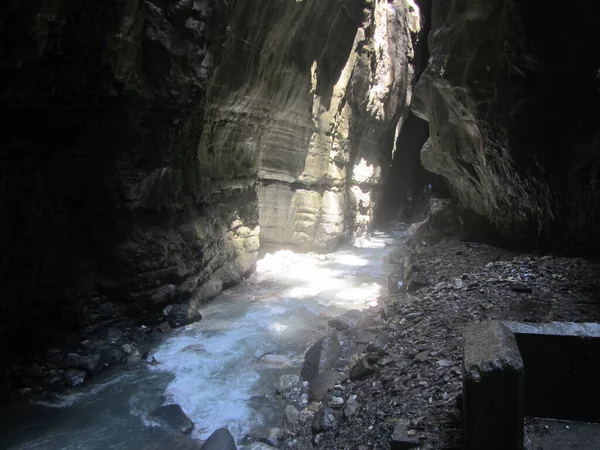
pixel 173 418
pixel 287 382
pixel 112 354
pixel 92 364
pixel 221 439
pixel 180 315
pixel 347 320
pixel 74 377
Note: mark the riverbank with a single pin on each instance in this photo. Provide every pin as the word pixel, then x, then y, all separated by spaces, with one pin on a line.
pixel 385 366
pixel 401 380
pixel 221 371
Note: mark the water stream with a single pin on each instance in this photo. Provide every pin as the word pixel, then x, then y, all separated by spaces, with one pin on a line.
pixel 221 369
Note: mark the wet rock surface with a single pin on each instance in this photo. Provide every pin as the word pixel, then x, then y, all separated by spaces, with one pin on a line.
pixel 173 418
pixel 59 370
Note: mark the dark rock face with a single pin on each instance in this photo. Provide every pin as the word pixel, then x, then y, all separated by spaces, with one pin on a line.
pixel 513 106
pixel 107 211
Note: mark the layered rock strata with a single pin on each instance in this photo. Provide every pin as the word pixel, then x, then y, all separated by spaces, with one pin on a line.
pixel 309 95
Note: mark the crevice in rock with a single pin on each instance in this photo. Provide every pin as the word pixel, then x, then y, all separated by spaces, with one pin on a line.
pixel 407 179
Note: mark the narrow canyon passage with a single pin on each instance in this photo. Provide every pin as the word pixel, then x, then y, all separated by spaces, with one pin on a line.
pixel 223 370
pixel 158 149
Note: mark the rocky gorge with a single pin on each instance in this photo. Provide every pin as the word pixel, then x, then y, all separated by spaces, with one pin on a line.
pixel 154 148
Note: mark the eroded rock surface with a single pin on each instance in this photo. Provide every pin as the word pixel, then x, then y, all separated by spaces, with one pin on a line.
pixel 513 144
pixel 314 111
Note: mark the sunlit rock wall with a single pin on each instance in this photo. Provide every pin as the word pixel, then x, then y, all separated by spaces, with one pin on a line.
pixel 146 139
pixel 308 97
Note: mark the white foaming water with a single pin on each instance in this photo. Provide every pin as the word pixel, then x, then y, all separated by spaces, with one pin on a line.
pixel 222 371
pixel 298 293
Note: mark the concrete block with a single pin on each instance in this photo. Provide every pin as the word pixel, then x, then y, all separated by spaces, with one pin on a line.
pixel 562 369
pixel 493 388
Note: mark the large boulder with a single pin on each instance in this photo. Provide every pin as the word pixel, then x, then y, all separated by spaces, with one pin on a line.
pixel 173 419
pixel 321 356
pixel 92 364
pixel 221 439
pixel 181 315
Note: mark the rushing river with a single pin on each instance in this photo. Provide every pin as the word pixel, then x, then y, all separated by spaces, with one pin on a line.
pixel 222 369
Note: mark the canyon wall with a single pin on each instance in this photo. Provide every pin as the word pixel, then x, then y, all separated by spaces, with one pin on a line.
pixel 310 94
pixel 105 213
pixel 148 139
pixel 511 93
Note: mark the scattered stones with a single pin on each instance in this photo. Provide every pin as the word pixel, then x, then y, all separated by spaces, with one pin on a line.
pixel 274 436
pixel 380 343
pixel 112 354
pixel 74 377
pixel 174 419
pixel 347 320
pixel 402 437
pixel 324 420
pixel 306 415
pixel 259 446
pixel 221 439
pixel 164 327
pixel 419 374
pixel 181 315
pixel 336 402
pixel 92 364
pixel 291 419
pixel 321 356
pixel 422 356
pixel 416 281
pixel 140 333
pixel 287 382
pixel 351 407
pixel 274 360
pixel 518 286
pixel 361 369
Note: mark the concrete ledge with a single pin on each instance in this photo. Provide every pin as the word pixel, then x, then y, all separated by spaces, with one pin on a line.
pixel 562 369
pixel 493 383
pixel 583 330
